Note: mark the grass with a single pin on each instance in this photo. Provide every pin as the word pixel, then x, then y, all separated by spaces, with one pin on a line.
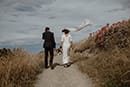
pixel 107 68
pixel 19 68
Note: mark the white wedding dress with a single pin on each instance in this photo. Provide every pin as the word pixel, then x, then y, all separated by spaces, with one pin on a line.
pixel 66 45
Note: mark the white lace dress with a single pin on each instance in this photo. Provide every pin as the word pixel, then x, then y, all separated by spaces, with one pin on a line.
pixel 66 45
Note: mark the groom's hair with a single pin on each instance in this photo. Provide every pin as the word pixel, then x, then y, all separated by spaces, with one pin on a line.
pixel 47 28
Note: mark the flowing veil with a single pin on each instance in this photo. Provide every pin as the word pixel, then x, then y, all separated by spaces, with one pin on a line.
pixel 84 24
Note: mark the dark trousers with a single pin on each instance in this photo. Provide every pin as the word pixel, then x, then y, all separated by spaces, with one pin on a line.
pixel 51 52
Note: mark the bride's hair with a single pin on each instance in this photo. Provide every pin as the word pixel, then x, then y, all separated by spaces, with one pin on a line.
pixel 66 31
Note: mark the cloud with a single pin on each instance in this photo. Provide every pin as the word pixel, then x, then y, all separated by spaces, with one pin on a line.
pixel 116 10
pixel 12 20
pixel 24 8
pixel 26 2
pixel 20 37
pixel 22 21
pixel 125 3
pixel 52 17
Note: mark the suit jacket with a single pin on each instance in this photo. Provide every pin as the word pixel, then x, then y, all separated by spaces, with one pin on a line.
pixel 49 40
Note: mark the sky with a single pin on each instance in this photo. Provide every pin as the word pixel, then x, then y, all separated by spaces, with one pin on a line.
pixel 23 21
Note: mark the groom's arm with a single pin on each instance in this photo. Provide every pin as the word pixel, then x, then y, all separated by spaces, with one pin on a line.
pixel 53 40
pixel 43 36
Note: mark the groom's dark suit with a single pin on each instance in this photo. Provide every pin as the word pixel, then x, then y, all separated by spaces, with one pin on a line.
pixel 49 44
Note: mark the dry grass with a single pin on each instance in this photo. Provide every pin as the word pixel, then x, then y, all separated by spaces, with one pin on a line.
pixel 19 68
pixel 108 68
pixel 84 45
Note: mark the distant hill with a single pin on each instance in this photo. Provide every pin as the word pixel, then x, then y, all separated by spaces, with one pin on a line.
pixel 106 55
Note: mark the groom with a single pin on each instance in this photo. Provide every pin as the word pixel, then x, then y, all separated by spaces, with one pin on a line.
pixel 49 45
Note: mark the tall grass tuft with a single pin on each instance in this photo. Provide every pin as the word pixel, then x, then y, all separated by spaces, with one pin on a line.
pixel 19 68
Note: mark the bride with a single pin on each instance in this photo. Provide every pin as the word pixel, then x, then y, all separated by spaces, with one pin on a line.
pixel 66 42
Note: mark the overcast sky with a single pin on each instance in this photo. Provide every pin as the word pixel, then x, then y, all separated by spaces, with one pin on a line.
pixel 22 21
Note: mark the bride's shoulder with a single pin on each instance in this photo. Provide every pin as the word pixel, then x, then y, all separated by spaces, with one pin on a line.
pixel 69 35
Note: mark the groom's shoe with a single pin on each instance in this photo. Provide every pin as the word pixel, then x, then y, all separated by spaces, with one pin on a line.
pixel 46 67
pixel 52 67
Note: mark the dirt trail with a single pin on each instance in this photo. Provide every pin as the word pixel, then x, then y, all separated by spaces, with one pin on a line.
pixel 63 77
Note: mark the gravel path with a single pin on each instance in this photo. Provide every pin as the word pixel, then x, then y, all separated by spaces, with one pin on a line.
pixel 63 77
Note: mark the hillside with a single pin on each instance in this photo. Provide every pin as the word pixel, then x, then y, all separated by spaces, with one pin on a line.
pixel 105 55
